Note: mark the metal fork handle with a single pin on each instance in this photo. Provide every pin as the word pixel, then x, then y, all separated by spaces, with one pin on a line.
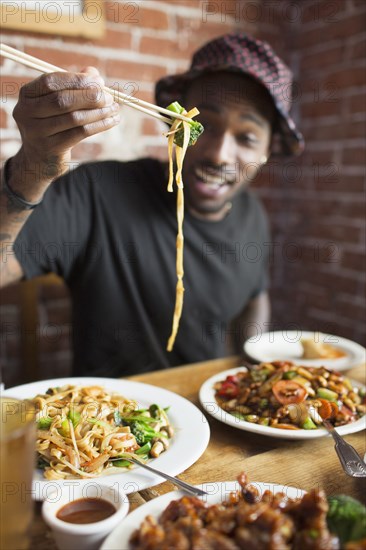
pixel 351 461
pixel 186 486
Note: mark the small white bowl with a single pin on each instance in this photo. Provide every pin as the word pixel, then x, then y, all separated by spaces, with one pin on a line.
pixel 86 536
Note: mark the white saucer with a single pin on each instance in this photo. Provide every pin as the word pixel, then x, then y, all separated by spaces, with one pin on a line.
pixel 284 345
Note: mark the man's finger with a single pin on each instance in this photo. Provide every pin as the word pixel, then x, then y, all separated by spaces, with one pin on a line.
pixel 54 82
pixel 90 70
pixel 62 123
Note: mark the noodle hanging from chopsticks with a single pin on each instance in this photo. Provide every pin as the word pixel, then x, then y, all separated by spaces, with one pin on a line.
pixel 180 154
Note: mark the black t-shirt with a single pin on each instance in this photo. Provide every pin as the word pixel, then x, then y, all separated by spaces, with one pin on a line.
pixel 109 229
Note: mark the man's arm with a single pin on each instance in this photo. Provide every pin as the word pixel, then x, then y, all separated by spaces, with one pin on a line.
pixel 252 321
pixel 12 219
pixel 54 113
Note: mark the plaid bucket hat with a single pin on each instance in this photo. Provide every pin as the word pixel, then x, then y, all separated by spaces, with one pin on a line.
pixel 241 53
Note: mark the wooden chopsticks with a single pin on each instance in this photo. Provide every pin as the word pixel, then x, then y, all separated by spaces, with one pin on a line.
pixel 119 97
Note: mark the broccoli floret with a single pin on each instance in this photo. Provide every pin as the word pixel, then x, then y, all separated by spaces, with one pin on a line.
pixel 42 463
pixel 138 431
pixel 154 410
pixel 196 127
pixel 346 518
pixel 196 131
pixel 142 432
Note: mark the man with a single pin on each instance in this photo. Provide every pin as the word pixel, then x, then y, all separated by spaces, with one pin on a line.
pixel 109 228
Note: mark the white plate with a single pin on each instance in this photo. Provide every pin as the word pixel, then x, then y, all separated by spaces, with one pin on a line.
pixel 209 403
pixel 217 491
pixel 190 440
pixel 284 345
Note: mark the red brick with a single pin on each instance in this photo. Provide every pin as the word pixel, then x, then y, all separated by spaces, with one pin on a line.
pixel 355 130
pixel 327 174
pixel 317 88
pixel 134 71
pixel 64 59
pixel 334 232
pixel 319 109
pixel 340 29
pixel 359 5
pixel 194 4
pixel 336 281
pixel 357 104
pixel 322 12
pixel 200 31
pixel 272 16
pixel 150 127
pixel 232 11
pixel 353 184
pixel 3 118
pixel 318 158
pixel 328 87
pixel 358 50
pixel 354 260
pixel 136 14
pixel 116 39
pixel 322 59
pixel 318 295
pixel 354 156
pixel 122 14
pixel 146 96
pixel 164 47
pixel 75 40
pixel 321 132
pixel 348 77
pixel 311 205
pixel 356 312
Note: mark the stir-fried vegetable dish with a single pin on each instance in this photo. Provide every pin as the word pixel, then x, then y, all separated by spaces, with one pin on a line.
pixel 292 397
pixel 250 521
pixel 80 429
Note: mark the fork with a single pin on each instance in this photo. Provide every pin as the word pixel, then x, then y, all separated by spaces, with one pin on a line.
pixel 185 486
pixel 351 461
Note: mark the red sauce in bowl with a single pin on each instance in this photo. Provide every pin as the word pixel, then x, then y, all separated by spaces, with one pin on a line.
pixel 86 510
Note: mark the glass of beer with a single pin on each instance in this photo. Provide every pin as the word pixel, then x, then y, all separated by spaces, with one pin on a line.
pixel 17 462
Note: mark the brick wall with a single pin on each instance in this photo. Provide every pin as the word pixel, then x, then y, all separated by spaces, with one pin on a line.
pixel 315 203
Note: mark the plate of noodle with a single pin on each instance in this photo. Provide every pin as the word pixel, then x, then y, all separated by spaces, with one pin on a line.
pixel 88 427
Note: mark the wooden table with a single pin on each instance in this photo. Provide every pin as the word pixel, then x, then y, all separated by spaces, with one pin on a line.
pixel 304 464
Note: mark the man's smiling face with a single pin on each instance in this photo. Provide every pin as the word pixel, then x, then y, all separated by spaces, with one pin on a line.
pixel 238 115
